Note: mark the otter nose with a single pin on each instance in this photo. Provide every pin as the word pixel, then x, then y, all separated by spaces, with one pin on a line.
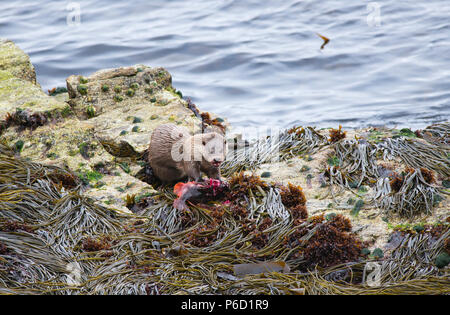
pixel 216 160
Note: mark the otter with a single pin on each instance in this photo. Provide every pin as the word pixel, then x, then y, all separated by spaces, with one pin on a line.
pixel 175 154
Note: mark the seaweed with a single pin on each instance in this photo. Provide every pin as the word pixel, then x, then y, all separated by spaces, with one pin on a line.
pixel 273 148
pixel 207 121
pixel 242 185
pixel 25 119
pixel 292 195
pixel 408 195
pixel 417 154
pixel 57 90
pixel 336 135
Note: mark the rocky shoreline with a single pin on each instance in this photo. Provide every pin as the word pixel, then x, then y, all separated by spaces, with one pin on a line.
pixel 99 128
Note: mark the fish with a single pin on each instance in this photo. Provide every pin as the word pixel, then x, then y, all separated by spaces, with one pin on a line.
pixel 208 188
pixel 184 191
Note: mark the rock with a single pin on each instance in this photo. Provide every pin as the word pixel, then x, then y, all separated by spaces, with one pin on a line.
pixel 98 137
pixel 442 260
pixel 16 62
pixel 124 120
pixel 17 93
pixel 72 143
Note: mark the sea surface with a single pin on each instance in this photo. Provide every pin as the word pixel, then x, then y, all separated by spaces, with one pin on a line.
pixel 257 63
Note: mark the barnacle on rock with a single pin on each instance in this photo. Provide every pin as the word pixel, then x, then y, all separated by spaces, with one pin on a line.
pixel 90 111
pixel 83 80
pixel 82 89
pixel 118 98
pixel 130 92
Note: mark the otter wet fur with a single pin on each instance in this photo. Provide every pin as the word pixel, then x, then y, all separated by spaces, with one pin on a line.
pixel 174 154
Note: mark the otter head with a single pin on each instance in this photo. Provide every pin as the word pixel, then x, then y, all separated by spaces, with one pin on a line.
pixel 214 148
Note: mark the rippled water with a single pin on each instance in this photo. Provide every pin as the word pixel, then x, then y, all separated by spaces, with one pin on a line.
pixel 258 63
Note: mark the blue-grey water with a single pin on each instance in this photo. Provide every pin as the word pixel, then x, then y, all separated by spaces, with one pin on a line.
pixel 258 63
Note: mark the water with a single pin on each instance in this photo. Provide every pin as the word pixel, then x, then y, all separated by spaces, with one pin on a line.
pixel 258 63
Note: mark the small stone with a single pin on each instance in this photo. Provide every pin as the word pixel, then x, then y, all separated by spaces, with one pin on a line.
pixel 442 260
pixel 378 253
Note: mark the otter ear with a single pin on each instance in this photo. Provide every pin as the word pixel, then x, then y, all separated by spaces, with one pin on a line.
pixel 206 137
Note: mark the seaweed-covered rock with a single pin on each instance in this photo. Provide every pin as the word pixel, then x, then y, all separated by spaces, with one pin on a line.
pixel 15 61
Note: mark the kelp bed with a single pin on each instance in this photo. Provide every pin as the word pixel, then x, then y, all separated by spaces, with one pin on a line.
pixel 53 240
